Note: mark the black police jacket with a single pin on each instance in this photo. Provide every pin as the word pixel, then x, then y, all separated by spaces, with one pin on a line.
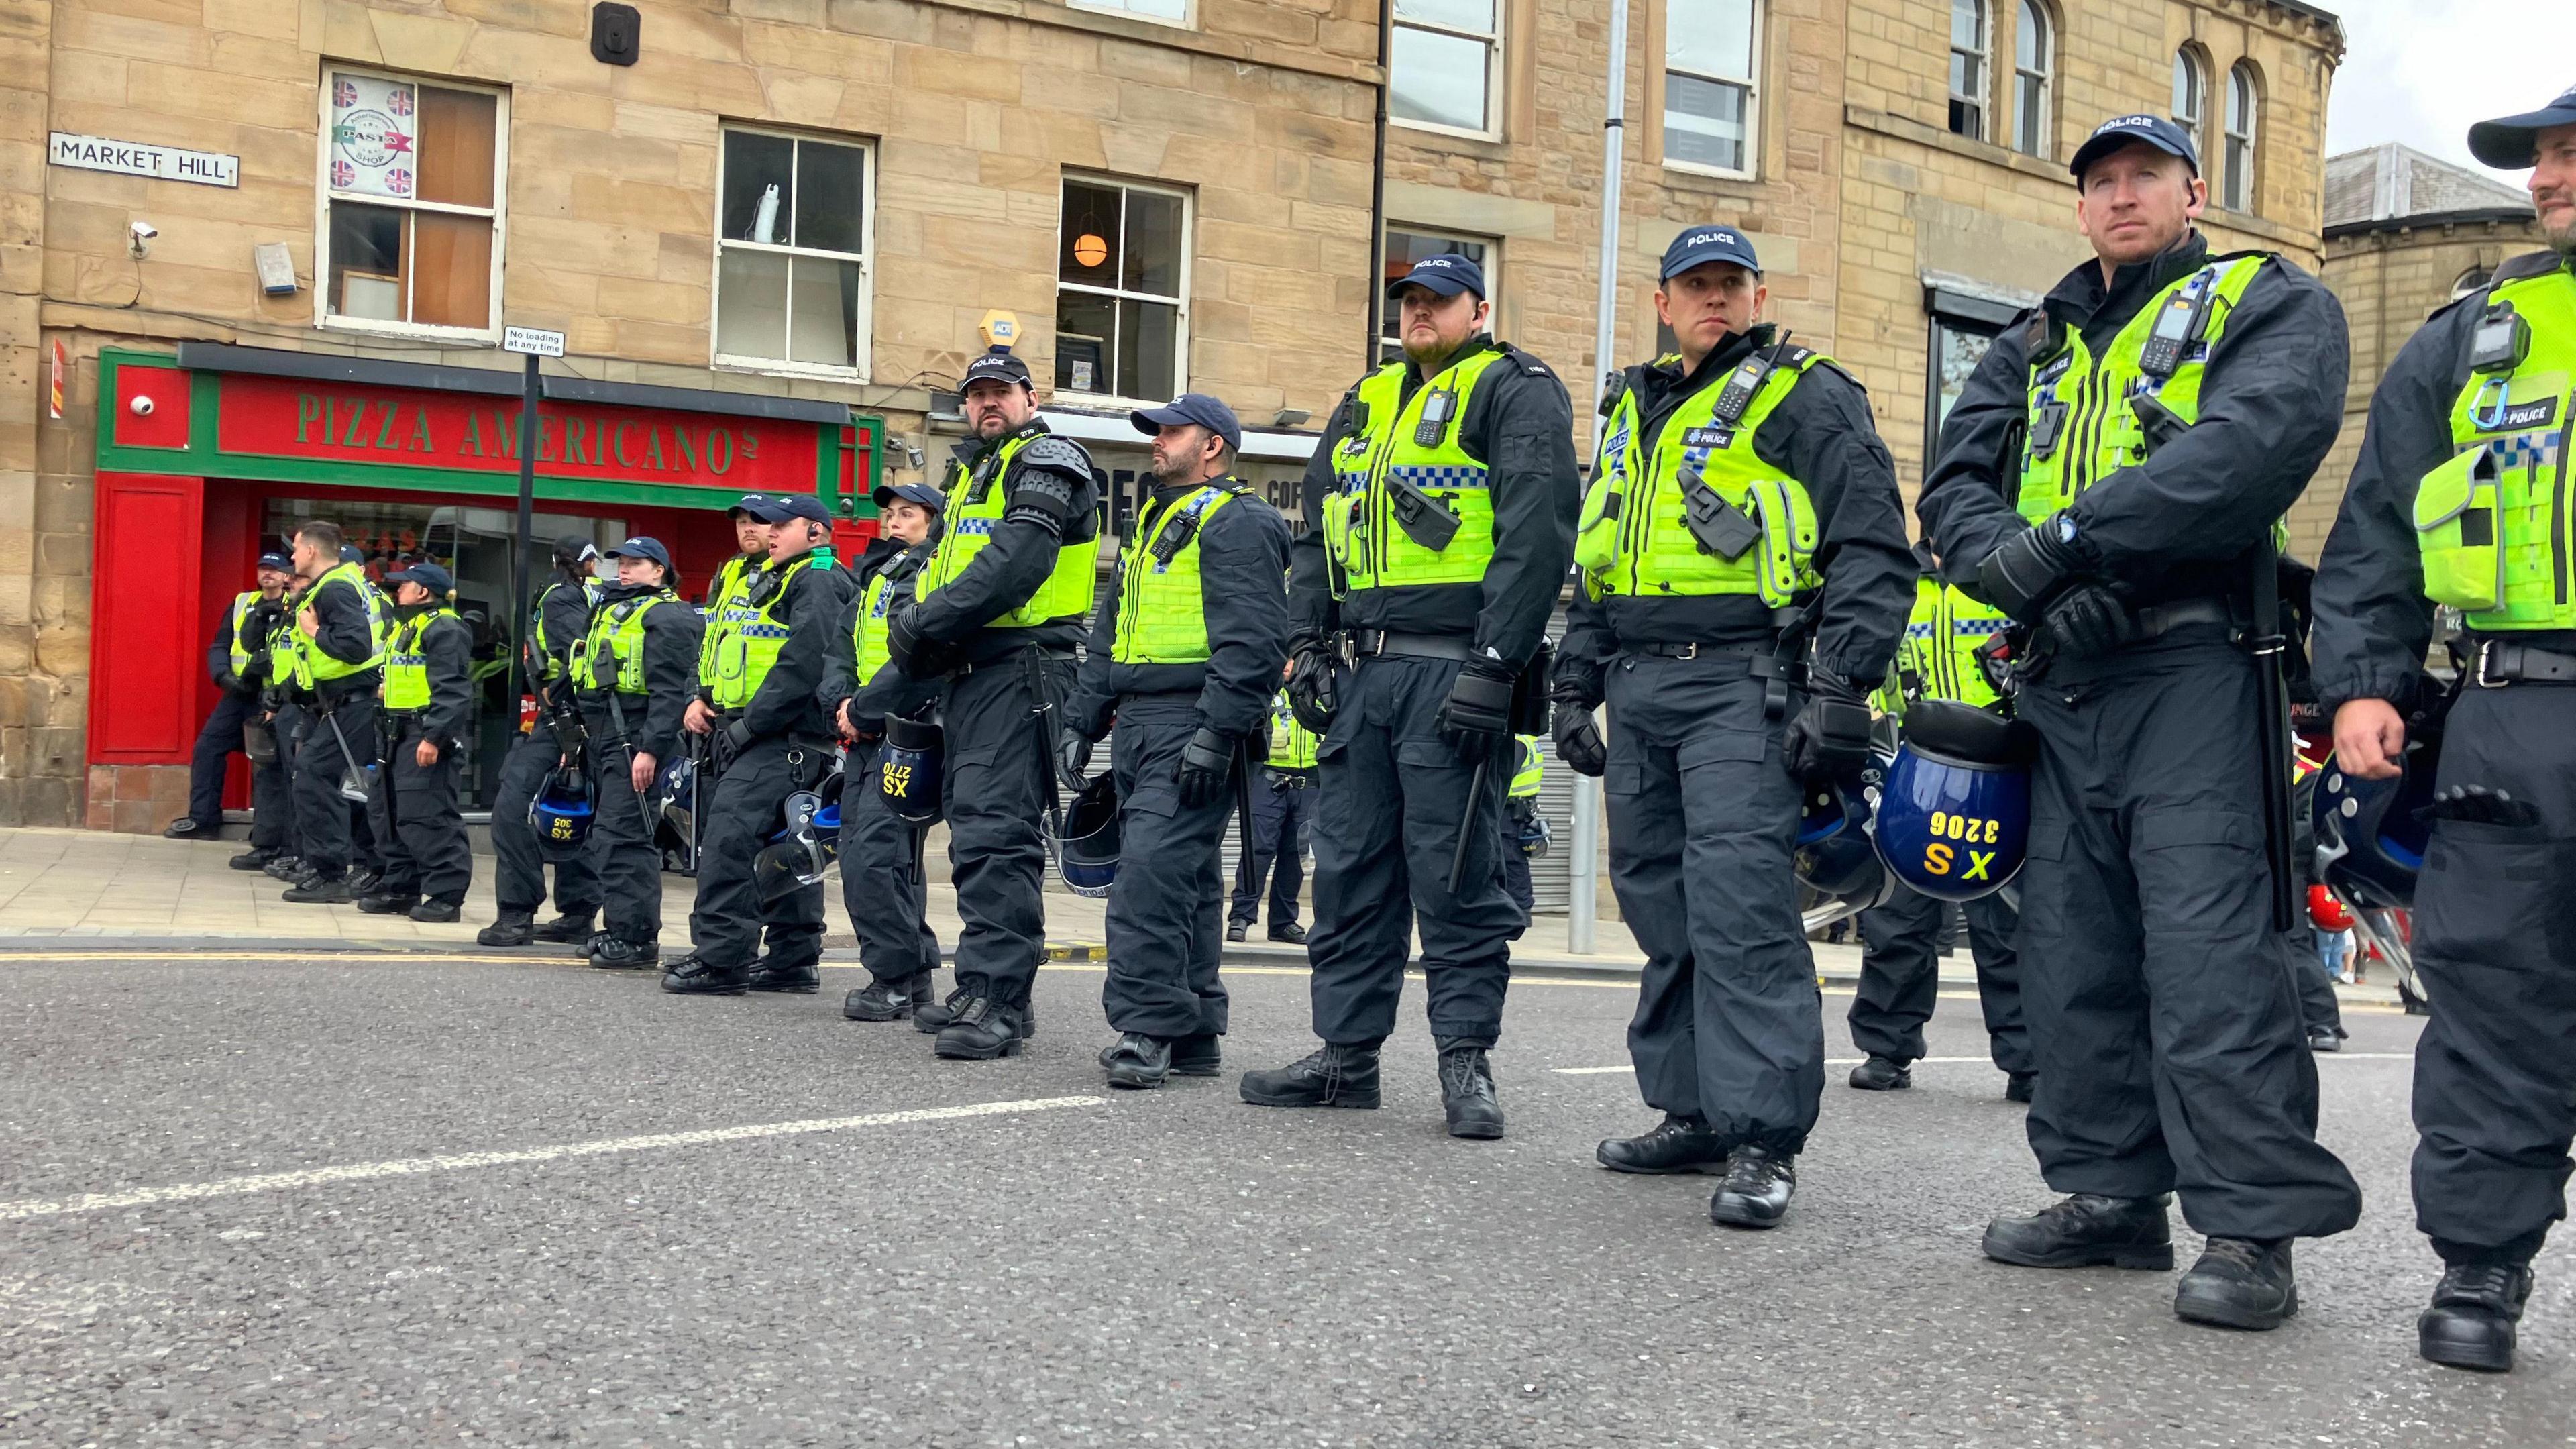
pixel 892 691
pixel 447 654
pixel 1243 562
pixel 672 633
pixel 788 702
pixel 1051 499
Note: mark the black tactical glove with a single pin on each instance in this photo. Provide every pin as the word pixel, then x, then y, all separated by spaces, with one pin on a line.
pixel 1311 683
pixel 229 682
pixel 1073 759
pixel 2024 574
pixel 1578 741
pixel 916 654
pixel 1478 713
pixel 2089 621
pixel 1830 736
pixel 1207 764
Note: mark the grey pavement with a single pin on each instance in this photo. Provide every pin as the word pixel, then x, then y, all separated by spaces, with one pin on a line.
pixel 314 1198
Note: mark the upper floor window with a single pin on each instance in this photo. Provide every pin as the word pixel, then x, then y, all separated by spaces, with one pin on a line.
pixel 411 203
pixel 2242 100
pixel 1406 246
pixel 1970 39
pixel 792 253
pixel 2191 97
pixel 1122 280
pixel 2034 63
pixel 1172 12
pixel 2470 281
pixel 1445 56
pixel 1709 86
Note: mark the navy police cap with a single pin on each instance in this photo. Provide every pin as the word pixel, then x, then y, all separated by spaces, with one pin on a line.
pixel 2119 131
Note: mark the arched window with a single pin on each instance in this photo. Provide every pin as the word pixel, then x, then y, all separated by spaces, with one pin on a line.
pixel 2242 98
pixel 2190 95
pixel 2034 62
pixel 2470 281
pixel 1970 42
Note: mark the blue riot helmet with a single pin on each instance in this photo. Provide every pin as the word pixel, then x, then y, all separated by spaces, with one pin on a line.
pixel 2370 840
pixel 909 769
pixel 1954 809
pixel 679 792
pixel 827 820
pixel 1086 855
pixel 1533 836
pixel 560 812
pixel 1832 855
pixel 796 856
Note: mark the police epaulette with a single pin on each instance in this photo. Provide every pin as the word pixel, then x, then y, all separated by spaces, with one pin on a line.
pixel 1531 366
pixel 2526 266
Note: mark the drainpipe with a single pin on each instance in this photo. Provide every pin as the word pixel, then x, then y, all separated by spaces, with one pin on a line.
pixel 1377 186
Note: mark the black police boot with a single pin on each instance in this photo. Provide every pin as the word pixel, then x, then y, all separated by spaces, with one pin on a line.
pixel 320 892
pixel 2239 1283
pixel 981 1030
pixel 2470 1324
pixel 515 928
pixel 2019 1086
pixel 2086 1231
pixel 365 882
pixel 1136 1061
pixel 284 867
pixel 2326 1039
pixel 566 929
pixel 1467 1091
pixel 1237 930
pixel 930 1018
pixel 255 858
pixel 1197 1056
pixel 1881 1074
pixel 614 954
pixel 1290 933
pixel 1334 1076
pixel 771 974
pixel 1678 1144
pixel 695 975
pixel 882 1000
pixel 1757 1189
pixel 437 912
pixel 185 828
pixel 386 903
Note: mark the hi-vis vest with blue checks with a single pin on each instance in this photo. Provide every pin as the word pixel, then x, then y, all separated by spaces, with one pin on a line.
pixel 1704 514
pixel 241 652
pixel 547 659
pixel 1162 611
pixel 406 667
pixel 2494 524
pixel 868 632
pixel 312 664
pixel 1292 745
pixel 724 605
pixel 1529 772
pixel 1402 458
pixel 751 633
pixel 1940 650
pixel 976 503
pixel 616 629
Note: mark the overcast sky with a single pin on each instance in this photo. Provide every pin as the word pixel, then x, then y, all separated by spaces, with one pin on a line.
pixel 2419 71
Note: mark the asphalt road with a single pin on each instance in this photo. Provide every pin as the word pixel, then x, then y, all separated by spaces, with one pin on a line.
pixel 409 1200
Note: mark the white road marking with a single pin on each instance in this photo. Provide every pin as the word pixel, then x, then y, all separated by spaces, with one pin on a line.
pixel 1981 1061
pixel 458 1162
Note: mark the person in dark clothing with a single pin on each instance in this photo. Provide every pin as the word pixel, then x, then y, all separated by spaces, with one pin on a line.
pixel 238 661
pixel 519 859
pixel 339 655
pixel 1184 654
pixel 1718 715
pixel 1274 847
pixel 1440 509
pixel 428 698
pixel 764 708
pixel 634 670
pixel 2458 499
pixel 2160 1002
pixel 997 614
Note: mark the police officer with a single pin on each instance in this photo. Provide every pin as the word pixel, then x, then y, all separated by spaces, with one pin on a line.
pixel 635 671
pixel 2450 504
pixel 238 662
pixel 1184 653
pixel 1440 509
pixel 428 696
pixel 997 613
pixel 561 616
pixel 1900 963
pixel 1274 848
pixel 770 734
pixel 882 881
pixel 2160 999
pixel 1521 822
pixel 339 656
pixel 1743 516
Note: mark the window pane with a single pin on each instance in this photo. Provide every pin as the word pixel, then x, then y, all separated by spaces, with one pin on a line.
pixel 751 304
pixel 1457 14
pixel 1968 24
pixel 375 133
pixel 366 261
pixel 831 196
pixel 1087 241
pixel 2030 116
pixel 1960 353
pixel 2240 102
pixel 456 134
pixel 1085 326
pixel 1438 79
pixel 2239 165
pixel 757 182
pixel 1703 122
pixel 1153 244
pixel 2030 39
pixel 1147 333
pixel 2186 90
pixel 451 270
pixel 1967 76
pixel 1967 119
pixel 823 326
pixel 1713 37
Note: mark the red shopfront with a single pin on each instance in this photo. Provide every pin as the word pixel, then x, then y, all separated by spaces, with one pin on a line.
pixel 207 456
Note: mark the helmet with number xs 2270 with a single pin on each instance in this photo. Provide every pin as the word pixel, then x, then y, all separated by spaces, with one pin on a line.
pixel 1954 810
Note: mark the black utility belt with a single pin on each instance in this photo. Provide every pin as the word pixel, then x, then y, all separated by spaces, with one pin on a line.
pixel 1698 649
pixel 1375 643
pixel 1016 657
pixel 2500 662
pixel 340 691
pixel 2157 620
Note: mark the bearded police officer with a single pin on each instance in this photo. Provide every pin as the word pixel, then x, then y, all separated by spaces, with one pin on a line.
pixel 882 880
pixel 1900 964
pixel 1184 653
pixel 1274 845
pixel 2458 499
pixel 428 696
pixel 772 739
pixel 2112 476
pixel 555 624
pixel 1440 515
pixel 339 656
pixel 1743 515
pixel 634 671
pixel 997 614
pixel 238 663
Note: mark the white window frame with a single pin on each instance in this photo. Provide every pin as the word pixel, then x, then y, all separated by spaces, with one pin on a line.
pixel 1189 12
pixel 1181 317
pixel 863 344
pixel 2194 122
pixel 1492 266
pixel 1985 54
pixel 2041 129
pixel 1752 85
pixel 323 316
pixel 2239 178
pixel 1493 43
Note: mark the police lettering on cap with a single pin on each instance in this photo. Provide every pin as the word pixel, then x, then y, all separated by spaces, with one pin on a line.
pixel 996 365
pixel 2119 131
pixel 1191 409
pixel 794 505
pixel 283 563
pixel 746 504
pixel 644 548
pixel 426 574
pixel 1446 275
pixel 1699 245
pixel 923 494
pixel 2512 143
